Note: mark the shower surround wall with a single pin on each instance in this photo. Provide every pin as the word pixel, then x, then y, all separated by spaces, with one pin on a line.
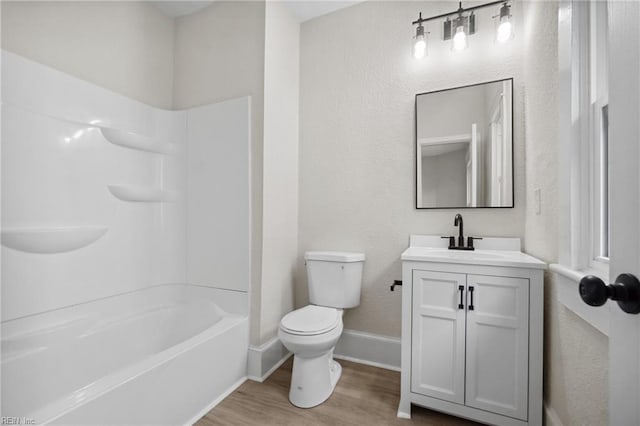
pixel 96 193
pixel 235 48
pixel 218 198
pixel 188 62
pixel 65 172
pixel 128 47
pixel 96 199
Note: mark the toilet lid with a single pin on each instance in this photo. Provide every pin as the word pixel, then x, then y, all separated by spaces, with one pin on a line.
pixel 311 320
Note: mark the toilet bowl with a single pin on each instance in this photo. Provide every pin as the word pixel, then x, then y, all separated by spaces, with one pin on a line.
pixel 311 334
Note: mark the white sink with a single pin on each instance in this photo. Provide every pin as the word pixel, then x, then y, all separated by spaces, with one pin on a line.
pixel 460 254
pixel 489 251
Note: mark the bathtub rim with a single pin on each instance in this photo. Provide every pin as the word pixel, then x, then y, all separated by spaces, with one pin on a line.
pixel 229 302
pixel 13 327
pixel 66 404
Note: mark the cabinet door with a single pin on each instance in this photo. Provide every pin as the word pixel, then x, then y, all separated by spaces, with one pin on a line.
pixel 437 335
pixel 498 344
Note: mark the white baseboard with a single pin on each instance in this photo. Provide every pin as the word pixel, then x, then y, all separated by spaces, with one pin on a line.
pixel 215 402
pixel 364 348
pixel 370 349
pixel 265 359
pixel 551 417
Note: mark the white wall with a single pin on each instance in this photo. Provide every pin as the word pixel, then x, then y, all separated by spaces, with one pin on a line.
pixel 357 142
pixel 219 55
pixel 280 168
pixel 126 47
pixel 450 112
pixel 576 354
pixel 444 179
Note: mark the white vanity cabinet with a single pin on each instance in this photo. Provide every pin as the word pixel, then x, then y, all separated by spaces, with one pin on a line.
pixel 472 333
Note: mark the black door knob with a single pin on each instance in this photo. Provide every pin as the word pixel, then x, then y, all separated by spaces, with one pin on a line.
pixel 625 291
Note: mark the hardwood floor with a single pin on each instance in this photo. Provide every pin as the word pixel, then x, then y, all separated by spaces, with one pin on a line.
pixel 364 396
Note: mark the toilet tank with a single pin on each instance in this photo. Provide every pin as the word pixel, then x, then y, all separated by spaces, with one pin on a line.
pixel 334 278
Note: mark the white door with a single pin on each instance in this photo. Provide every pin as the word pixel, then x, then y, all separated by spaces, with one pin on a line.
pixel 501 155
pixel 438 335
pixel 624 166
pixel 472 170
pixel 498 344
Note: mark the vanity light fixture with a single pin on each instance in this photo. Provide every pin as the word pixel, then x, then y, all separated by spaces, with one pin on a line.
pixel 460 36
pixel 460 24
pixel 504 32
pixel 420 42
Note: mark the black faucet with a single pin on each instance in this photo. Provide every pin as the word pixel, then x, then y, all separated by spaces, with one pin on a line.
pixel 458 222
pixel 452 240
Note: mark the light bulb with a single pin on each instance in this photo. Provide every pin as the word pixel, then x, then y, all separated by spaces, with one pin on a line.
pixel 504 32
pixel 460 39
pixel 419 48
pixel 420 43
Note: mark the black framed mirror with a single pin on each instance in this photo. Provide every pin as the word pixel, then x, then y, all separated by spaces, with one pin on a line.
pixel 464 147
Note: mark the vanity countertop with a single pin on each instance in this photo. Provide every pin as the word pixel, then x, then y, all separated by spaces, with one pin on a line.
pixel 489 251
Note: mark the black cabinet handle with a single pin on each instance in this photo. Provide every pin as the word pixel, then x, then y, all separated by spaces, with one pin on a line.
pixel 625 291
pixel 471 297
pixel 461 304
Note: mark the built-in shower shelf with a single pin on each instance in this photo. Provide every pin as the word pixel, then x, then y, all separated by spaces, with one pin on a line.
pixel 137 141
pixel 51 240
pixel 142 193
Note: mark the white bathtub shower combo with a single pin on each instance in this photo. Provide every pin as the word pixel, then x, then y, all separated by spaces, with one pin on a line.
pixel 121 359
pixel 124 282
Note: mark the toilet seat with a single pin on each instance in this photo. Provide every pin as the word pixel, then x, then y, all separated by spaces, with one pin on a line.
pixel 311 320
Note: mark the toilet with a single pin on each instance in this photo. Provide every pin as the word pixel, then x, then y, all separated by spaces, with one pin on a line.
pixel 311 333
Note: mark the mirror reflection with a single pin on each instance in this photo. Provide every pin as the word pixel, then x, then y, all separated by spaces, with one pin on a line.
pixel 464 146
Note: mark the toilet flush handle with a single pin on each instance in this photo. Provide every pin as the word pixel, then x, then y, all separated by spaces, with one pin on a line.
pixel 395 283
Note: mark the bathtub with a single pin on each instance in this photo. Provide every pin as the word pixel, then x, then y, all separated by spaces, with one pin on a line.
pixel 161 355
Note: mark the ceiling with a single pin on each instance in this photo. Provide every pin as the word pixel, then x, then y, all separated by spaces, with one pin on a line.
pixel 309 9
pixel 173 9
pixel 302 9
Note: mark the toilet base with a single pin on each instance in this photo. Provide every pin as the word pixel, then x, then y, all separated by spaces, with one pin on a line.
pixel 313 379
